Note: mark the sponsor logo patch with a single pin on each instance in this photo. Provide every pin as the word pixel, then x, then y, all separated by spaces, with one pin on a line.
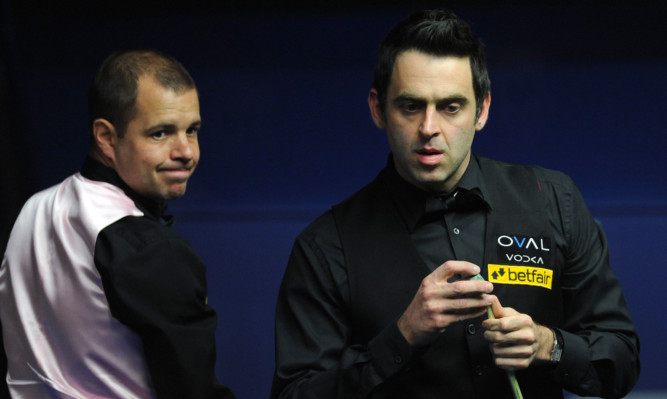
pixel 521 275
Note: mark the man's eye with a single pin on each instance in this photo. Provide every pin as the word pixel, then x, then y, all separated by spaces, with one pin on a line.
pixel 159 135
pixel 410 107
pixel 452 108
pixel 192 131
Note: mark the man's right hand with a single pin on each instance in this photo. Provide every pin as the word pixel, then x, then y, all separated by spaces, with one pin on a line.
pixel 439 303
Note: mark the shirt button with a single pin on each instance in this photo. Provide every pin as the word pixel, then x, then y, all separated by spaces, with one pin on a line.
pixel 471 329
pixel 398 359
pixel 456 230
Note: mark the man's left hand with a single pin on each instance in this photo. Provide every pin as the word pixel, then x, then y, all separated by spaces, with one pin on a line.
pixel 516 340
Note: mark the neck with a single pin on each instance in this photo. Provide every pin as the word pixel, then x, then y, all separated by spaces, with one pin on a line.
pixel 99 156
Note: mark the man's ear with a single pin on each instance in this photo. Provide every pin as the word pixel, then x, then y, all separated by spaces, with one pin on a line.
pixel 483 113
pixel 105 138
pixel 377 113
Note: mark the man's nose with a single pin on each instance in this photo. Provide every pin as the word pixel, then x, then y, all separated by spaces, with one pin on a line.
pixel 429 125
pixel 184 146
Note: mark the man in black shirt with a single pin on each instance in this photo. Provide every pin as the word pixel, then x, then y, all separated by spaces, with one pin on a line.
pixel 99 297
pixel 377 300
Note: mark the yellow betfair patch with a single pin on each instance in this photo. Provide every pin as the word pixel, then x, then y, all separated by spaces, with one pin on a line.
pixel 521 275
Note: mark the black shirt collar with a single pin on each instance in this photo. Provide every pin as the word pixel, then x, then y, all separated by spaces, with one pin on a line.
pixel 411 200
pixel 154 209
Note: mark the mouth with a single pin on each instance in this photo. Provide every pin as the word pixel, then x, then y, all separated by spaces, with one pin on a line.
pixel 177 174
pixel 429 156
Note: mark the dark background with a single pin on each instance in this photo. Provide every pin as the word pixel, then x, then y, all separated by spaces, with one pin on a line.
pixel 576 86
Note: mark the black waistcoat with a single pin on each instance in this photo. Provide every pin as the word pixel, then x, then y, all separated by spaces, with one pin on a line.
pixel 385 271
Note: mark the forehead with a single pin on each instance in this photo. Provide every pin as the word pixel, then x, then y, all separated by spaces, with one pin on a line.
pixel 424 75
pixel 156 101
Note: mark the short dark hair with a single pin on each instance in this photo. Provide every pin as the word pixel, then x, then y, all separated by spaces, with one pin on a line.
pixel 434 32
pixel 113 92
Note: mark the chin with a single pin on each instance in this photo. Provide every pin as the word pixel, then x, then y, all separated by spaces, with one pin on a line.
pixel 176 195
pixel 175 191
pixel 434 183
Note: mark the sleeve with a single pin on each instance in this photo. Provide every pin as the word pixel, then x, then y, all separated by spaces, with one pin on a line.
pixel 315 357
pixel 156 285
pixel 601 346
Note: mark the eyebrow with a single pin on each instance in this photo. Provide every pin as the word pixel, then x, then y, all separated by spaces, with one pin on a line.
pixel 454 98
pixel 196 123
pixel 172 126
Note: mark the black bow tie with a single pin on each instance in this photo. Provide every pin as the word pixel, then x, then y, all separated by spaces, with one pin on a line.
pixel 461 200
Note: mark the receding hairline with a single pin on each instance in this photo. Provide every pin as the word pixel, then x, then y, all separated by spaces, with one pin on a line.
pixel 152 76
pixel 165 69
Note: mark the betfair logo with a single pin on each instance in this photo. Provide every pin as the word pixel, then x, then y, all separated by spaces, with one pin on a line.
pixel 521 275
